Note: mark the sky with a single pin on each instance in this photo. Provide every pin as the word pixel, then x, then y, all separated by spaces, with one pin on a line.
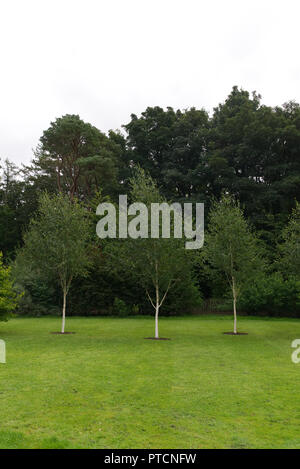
pixel 107 59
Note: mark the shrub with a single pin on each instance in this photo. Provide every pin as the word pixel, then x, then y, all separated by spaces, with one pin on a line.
pixel 8 296
pixel 120 308
pixel 272 295
pixel 40 296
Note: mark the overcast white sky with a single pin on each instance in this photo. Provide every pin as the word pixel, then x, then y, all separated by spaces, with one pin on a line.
pixel 106 59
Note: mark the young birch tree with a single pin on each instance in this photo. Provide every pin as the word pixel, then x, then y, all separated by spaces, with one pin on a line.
pixel 290 248
pixel 56 243
pixel 157 264
pixel 230 248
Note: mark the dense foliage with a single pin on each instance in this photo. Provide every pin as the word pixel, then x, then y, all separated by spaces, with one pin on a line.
pixel 8 296
pixel 231 249
pixel 244 148
pixel 56 244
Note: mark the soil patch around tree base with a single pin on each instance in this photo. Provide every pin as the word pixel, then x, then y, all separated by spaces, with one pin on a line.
pixel 62 333
pixel 154 338
pixel 238 333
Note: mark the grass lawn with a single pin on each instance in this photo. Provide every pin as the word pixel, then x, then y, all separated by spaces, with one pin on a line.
pixel 107 387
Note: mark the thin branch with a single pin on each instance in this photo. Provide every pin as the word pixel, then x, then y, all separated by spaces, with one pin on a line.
pixel 166 292
pixel 150 299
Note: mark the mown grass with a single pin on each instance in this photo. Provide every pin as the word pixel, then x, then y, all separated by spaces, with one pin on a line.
pixel 107 387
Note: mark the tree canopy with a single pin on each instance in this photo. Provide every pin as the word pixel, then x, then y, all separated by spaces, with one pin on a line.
pixel 56 243
pixel 243 148
pixel 230 248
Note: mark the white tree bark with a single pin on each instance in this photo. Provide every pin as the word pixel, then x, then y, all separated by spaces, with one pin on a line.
pixel 156 312
pixel 234 306
pixel 156 322
pixel 157 302
pixel 64 310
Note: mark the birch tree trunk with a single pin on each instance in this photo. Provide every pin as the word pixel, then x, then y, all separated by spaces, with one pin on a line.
pixel 156 311
pixel 156 322
pixel 64 310
pixel 234 306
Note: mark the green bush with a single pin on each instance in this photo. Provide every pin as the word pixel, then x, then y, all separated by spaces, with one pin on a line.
pixel 135 309
pixel 40 296
pixel 8 296
pixel 120 308
pixel 182 299
pixel 272 295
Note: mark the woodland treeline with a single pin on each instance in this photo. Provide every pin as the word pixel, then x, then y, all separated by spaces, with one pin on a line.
pixel 244 148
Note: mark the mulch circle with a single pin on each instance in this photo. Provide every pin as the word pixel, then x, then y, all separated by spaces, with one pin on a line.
pixel 154 338
pixel 62 333
pixel 238 333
